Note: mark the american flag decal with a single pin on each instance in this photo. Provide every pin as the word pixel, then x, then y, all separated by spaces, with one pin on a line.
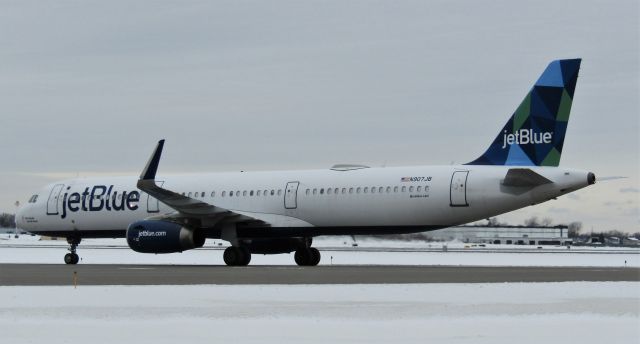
pixel 405 179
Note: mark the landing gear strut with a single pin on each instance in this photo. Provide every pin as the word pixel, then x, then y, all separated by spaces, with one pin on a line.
pixel 308 256
pixel 72 257
pixel 237 256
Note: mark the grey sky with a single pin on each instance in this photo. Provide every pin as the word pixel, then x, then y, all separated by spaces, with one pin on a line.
pixel 88 88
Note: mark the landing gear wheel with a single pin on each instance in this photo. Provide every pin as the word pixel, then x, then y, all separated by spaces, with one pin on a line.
pixel 307 256
pixel 246 255
pixel 236 256
pixel 71 258
pixel 302 257
pixel 315 256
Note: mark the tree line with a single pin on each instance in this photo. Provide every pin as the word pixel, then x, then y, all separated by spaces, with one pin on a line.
pixel 7 220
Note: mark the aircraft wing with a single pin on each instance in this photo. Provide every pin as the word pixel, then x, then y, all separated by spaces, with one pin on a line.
pixel 187 207
pixel 524 177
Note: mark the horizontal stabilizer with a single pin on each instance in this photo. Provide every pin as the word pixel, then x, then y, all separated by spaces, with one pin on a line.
pixel 524 177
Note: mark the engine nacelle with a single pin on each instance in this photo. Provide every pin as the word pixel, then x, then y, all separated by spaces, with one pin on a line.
pixel 149 236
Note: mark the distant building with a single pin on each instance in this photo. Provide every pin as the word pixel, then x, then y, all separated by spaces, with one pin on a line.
pixel 509 235
pixel 631 241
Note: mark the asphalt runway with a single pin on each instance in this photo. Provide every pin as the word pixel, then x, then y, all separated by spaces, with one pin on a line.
pixel 85 274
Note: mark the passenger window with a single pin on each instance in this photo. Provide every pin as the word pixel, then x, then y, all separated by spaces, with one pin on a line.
pixel 366 189
pixel 273 192
pixel 237 193
pixel 258 193
pixel 189 194
pixel 350 190
pixel 358 190
pixel 230 193
pixel 373 190
pixel 419 188
pixel 404 189
pixel 279 192
pixel 329 191
pixel 251 193
pixel 335 191
pixel 395 189
pixel 426 189
pixel 223 192
pixel 213 194
pixel 202 194
pixel 344 190
pixel 307 192
pixel 380 189
pixel 315 191
pixel 244 193
pixel 411 189
pixel 322 191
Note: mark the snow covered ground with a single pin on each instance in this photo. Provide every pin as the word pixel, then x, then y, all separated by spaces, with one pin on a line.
pixel 27 249
pixel 573 312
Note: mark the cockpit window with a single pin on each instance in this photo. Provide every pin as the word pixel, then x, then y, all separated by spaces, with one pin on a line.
pixel 33 199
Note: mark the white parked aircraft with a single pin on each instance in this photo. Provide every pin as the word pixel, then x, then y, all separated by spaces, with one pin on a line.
pixel 280 212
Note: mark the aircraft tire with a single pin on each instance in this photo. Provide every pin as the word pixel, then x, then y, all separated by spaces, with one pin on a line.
pixel 315 256
pixel 301 257
pixel 236 256
pixel 246 256
pixel 71 258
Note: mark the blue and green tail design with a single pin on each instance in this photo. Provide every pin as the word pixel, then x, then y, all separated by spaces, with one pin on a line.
pixel 534 134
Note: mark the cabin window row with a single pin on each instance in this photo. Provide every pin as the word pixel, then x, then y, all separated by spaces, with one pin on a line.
pixel 237 193
pixel 315 191
pixel 367 190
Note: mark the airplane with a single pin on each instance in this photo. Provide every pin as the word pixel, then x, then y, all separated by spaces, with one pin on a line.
pixel 279 212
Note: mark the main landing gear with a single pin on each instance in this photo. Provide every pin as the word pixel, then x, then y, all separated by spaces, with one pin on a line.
pixel 241 256
pixel 72 257
pixel 237 256
pixel 308 256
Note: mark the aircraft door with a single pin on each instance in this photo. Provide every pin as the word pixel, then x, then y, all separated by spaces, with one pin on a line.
pixel 153 206
pixel 458 193
pixel 291 195
pixel 52 202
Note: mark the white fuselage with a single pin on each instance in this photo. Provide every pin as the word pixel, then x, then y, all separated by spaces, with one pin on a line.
pixel 415 198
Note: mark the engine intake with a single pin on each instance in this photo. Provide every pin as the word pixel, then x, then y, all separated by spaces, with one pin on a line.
pixel 151 236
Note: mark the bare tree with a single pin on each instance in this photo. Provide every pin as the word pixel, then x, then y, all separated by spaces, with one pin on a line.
pixel 574 229
pixel 532 222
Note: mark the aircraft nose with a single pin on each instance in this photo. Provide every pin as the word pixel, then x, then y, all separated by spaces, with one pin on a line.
pixel 591 178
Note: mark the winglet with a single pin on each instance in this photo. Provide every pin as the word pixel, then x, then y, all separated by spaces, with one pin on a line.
pixel 149 172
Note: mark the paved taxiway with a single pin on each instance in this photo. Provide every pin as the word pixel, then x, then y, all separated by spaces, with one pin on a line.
pixel 48 274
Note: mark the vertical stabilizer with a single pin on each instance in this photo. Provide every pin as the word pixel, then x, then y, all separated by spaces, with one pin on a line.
pixel 534 134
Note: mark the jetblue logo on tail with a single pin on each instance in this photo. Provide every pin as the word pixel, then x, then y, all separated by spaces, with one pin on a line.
pixel 525 137
pixel 534 135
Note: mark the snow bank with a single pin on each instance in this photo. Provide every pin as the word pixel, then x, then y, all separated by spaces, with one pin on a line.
pixel 584 312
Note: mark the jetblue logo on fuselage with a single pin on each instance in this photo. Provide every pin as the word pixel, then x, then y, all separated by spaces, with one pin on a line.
pixel 99 198
pixel 525 137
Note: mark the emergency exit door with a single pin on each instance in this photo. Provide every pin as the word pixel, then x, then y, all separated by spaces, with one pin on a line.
pixel 458 193
pixel 291 195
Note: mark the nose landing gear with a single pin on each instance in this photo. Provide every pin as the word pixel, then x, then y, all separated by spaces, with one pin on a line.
pixel 72 257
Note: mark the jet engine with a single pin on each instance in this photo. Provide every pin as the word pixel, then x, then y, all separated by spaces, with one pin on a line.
pixel 152 236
